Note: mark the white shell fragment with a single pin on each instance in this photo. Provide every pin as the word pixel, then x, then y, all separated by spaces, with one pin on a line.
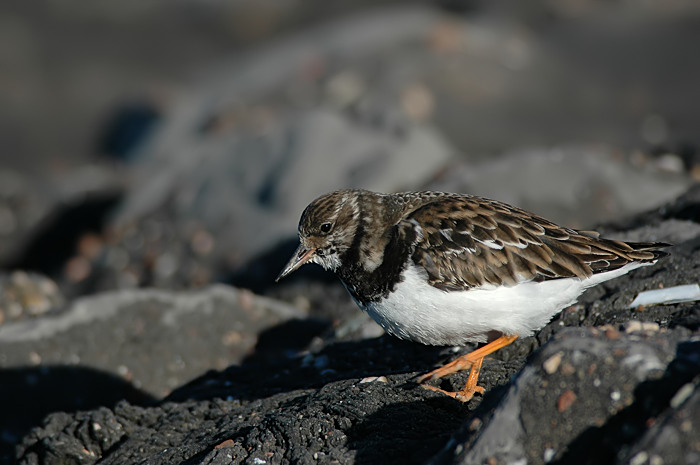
pixel 374 379
pixel 669 295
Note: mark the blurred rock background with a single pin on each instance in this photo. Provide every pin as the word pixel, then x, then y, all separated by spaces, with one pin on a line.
pixel 175 144
pixel 170 144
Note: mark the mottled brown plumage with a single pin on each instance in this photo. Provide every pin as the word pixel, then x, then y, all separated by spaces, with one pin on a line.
pixel 441 268
pixel 468 241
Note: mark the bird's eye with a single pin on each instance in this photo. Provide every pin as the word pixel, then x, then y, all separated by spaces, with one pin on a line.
pixel 326 228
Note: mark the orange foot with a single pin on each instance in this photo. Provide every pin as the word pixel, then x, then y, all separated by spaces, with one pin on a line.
pixel 472 360
pixel 465 395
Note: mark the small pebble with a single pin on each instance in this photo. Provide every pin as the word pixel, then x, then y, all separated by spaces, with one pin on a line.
pixel 25 295
pixel 417 102
pixel 476 424
pixel 639 458
pixel 567 369
pixel 686 426
pixel 549 454
pixel 551 365
pixel 77 269
pixel 90 246
pixel 670 162
pixel 226 443
pixel 612 334
pixel 566 399
pixel 634 326
pixel 682 395
pixel 695 173
pixel 34 358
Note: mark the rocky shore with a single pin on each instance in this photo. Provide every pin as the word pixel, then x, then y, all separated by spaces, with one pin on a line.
pixel 140 321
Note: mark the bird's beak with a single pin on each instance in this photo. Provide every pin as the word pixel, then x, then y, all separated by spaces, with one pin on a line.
pixel 301 256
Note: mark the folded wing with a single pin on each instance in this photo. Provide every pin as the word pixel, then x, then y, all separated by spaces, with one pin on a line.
pixel 465 242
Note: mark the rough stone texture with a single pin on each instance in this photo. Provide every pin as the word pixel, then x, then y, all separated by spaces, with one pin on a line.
pixel 323 411
pixel 596 402
pixel 586 395
pixel 673 437
pixel 137 345
pixel 287 412
pixel 234 154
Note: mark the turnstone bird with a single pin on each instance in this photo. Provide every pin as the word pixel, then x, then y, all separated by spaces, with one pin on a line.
pixel 449 269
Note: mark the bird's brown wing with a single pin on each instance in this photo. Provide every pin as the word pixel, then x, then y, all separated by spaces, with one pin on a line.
pixel 465 242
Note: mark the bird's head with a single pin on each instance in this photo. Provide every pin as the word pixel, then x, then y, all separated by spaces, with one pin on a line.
pixel 326 231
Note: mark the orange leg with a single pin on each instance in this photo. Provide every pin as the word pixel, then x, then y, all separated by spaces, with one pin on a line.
pixel 471 360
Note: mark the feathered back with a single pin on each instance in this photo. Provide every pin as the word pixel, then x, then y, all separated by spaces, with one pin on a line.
pixel 466 241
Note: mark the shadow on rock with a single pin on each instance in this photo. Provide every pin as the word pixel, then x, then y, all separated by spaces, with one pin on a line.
pixel 259 273
pixel 278 371
pixel 55 239
pixel 30 394
pixel 405 432
pixel 626 427
pixel 286 340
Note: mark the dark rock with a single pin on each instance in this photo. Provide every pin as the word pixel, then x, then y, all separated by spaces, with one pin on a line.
pixel 673 437
pixel 135 345
pixel 42 220
pixel 352 399
pixel 602 390
pixel 294 410
pixel 32 392
pixel 375 101
pixel 588 395
pixel 55 240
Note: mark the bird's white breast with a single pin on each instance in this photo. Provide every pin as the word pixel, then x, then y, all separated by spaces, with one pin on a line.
pixel 417 311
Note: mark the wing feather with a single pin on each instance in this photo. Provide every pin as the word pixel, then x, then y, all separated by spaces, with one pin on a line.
pixel 468 241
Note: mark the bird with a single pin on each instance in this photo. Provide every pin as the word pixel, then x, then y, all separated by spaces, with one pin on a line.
pixel 449 269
